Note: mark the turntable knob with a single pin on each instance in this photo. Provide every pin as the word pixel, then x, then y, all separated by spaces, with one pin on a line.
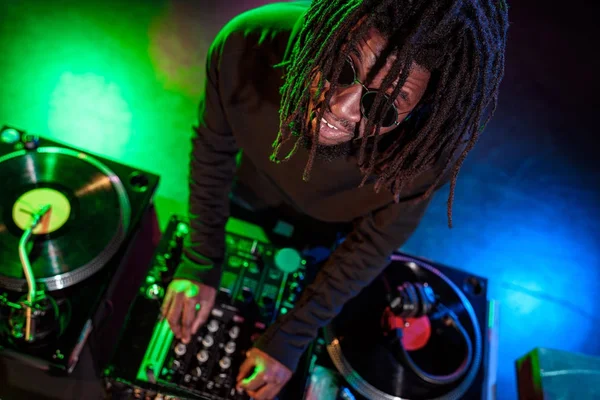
pixel 10 136
pixel 31 142
pixel 288 260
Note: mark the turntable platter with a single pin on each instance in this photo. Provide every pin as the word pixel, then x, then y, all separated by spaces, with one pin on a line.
pixel 87 222
pixel 373 363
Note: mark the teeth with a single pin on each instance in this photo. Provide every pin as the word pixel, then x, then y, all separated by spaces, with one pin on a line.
pixel 328 124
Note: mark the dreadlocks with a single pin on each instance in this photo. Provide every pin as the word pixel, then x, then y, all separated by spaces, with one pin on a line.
pixel 461 42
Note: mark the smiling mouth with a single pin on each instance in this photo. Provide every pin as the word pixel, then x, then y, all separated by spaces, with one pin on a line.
pixel 331 135
pixel 328 124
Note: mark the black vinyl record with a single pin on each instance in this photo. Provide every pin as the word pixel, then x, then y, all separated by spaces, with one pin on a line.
pixel 84 227
pixel 373 363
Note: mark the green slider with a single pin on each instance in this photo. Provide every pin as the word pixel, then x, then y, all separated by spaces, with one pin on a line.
pixel 157 350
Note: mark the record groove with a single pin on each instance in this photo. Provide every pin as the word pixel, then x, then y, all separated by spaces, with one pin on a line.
pixel 364 358
pixel 86 226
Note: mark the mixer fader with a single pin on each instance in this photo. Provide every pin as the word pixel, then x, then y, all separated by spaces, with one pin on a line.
pixel 259 283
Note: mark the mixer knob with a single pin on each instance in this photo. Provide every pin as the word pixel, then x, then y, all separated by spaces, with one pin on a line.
pixel 208 341
pixel 288 260
pixel 213 326
pixel 234 332
pixel 176 365
pixel 197 372
pixel 230 347
pixel 225 362
pixel 187 378
pixel 202 356
pixel 180 349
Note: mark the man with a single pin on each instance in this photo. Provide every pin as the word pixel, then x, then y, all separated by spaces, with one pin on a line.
pixel 373 105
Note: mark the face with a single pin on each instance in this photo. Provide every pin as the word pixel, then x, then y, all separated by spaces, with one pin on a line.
pixel 344 120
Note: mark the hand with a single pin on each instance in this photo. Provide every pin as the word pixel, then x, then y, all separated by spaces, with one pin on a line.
pixel 268 378
pixel 187 306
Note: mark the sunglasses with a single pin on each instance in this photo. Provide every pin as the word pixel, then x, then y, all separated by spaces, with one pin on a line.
pixel 389 116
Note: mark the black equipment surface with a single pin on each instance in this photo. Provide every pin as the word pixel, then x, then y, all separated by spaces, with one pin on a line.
pixel 260 282
pixel 95 228
pixel 353 356
pixel 359 357
pixel 77 263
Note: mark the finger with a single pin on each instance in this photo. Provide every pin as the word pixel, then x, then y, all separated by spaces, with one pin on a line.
pixel 166 303
pixel 245 369
pixel 187 318
pixel 201 316
pixel 255 381
pixel 174 315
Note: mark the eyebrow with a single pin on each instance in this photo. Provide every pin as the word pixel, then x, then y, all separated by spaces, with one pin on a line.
pixel 403 93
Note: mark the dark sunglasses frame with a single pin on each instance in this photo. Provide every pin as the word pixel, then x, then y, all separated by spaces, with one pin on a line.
pixel 371 95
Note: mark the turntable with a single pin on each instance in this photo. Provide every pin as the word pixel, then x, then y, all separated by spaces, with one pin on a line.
pixel 67 220
pixel 418 332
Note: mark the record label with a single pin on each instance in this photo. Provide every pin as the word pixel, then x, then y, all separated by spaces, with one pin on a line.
pixel 30 202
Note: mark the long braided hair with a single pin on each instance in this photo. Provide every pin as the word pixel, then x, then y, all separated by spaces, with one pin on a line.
pixel 462 43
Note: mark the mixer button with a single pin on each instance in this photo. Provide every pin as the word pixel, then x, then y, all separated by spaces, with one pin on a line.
pixel 180 349
pixel 230 347
pixel 234 332
pixel 217 312
pixel 225 362
pixel 208 341
pixel 202 356
pixel 213 326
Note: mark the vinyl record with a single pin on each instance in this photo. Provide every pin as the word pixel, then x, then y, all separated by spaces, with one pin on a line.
pixel 87 222
pixel 372 360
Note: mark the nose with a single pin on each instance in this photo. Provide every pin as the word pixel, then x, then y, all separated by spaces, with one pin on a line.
pixel 345 103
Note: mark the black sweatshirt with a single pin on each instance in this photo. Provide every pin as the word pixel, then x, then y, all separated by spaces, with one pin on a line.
pixel 239 110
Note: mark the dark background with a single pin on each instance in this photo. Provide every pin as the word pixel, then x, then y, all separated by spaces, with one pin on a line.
pixel 122 79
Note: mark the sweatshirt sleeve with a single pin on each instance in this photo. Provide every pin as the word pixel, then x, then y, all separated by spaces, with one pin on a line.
pixel 212 170
pixel 362 256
